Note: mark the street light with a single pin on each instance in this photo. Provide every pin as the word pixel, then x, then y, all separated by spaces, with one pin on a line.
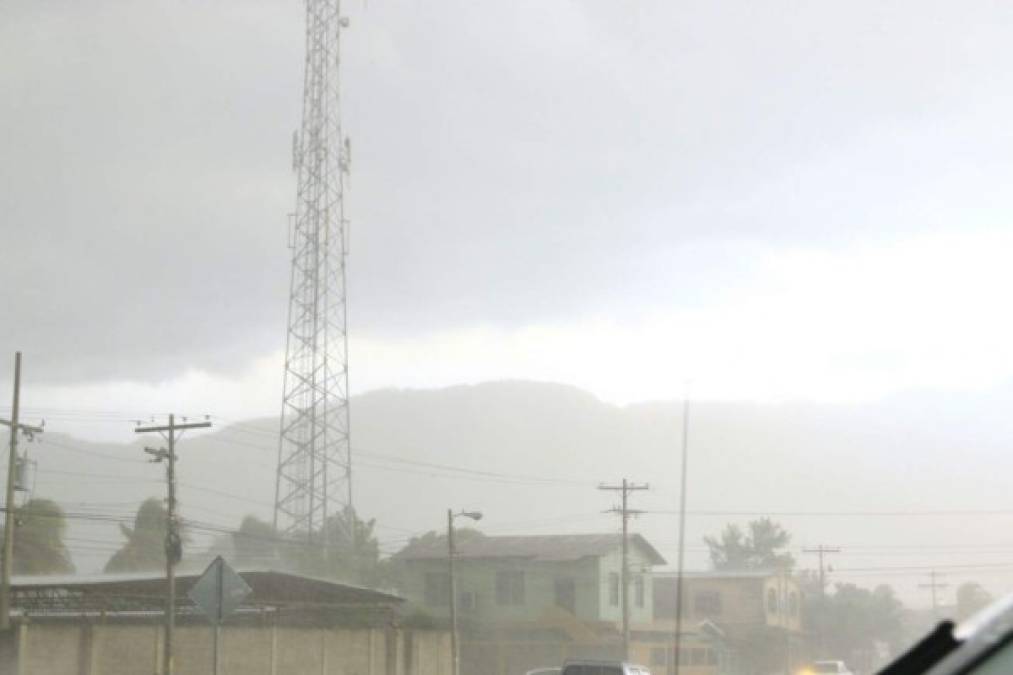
pixel 476 516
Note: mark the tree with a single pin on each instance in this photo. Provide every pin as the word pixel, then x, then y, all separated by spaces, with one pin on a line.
pixel 38 539
pixel 144 549
pixel 432 537
pixel 761 548
pixel 858 618
pixel 351 552
pixel 971 598
pixel 255 544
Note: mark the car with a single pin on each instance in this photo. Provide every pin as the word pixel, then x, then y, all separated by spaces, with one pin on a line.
pixel 591 667
pixel 548 670
pixel 821 667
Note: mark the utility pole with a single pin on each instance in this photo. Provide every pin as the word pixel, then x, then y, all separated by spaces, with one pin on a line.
pixel 173 545
pixel 933 586
pixel 9 507
pixel 822 551
pixel 624 576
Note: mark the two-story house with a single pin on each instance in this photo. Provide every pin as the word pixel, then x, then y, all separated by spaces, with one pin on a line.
pixel 530 601
pixel 748 608
pixel 517 579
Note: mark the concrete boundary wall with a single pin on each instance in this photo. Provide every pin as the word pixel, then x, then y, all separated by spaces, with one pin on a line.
pixel 72 648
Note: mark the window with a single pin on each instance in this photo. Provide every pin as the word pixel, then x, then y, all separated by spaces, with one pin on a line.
pixel 437 588
pixel 467 600
pixel 638 591
pixel 707 603
pixel 566 595
pixel 771 601
pixel 509 588
pixel 614 589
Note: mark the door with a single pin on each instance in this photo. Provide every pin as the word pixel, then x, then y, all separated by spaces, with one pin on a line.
pixel 566 595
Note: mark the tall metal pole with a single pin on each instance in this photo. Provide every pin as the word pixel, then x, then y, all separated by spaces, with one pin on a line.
pixel 220 590
pixel 454 652
pixel 170 558
pixel 9 517
pixel 682 536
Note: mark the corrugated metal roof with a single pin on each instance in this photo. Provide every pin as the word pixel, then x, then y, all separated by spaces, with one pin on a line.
pixel 269 586
pixel 718 574
pixel 542 548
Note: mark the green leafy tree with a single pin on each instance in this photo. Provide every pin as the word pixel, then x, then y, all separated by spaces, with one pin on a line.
pixel 855 619
pixel 971 598
pixel 38 539
pixel 144 549
pixel 347 550
pixel 432 537
pixel 762 547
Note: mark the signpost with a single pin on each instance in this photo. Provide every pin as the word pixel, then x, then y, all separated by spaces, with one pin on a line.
pixel 219 592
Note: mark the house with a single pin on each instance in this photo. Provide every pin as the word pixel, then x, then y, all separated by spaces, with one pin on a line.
pixel 732 600
pixel 517 579
pixel 747 607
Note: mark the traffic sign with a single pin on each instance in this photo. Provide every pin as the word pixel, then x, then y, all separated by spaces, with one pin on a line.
pixel 219 591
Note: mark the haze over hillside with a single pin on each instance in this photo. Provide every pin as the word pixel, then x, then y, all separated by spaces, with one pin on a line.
pixel 530 456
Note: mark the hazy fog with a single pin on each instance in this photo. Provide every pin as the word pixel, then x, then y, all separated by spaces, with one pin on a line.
pixel 803 205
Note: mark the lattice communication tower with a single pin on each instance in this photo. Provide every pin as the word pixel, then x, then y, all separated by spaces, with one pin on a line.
pixel 314 479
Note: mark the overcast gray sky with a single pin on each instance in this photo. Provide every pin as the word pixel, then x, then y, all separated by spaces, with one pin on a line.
pixel 778 200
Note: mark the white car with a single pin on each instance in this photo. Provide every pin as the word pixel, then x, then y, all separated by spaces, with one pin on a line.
pixel 826 667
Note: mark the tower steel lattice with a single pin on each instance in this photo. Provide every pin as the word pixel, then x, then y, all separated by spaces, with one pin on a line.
pixel 314 479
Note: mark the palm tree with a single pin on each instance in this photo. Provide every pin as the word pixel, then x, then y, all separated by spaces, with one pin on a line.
pixel 38 539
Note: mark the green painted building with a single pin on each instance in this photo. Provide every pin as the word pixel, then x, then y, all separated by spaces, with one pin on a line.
pixel 525 578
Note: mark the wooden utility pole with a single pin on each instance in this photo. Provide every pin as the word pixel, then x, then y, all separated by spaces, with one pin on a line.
pixel 822 551
pixel 9 507
pixel 624 576
pixel 173 545
pixel 933 586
